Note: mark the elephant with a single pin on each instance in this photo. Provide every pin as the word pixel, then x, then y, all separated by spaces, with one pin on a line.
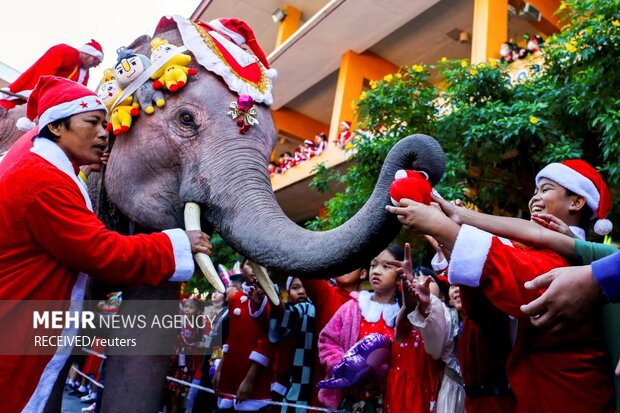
pixel 8 129
pixel 192 151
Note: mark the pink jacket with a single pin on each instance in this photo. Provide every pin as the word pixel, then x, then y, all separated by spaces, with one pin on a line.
pixel 338 336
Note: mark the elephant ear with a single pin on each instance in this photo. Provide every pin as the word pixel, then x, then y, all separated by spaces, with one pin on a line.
pixel 141 45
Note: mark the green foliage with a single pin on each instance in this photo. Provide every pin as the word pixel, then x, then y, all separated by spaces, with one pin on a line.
pixel 496 136
pixel 222 254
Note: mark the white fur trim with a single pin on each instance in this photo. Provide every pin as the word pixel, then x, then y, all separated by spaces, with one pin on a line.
pixel 439 264
pixel 210 61
pixel 278 388
pixel 53 368
pixel 225 348
pixel 236 37
pixel 52 153
pixel 24 124
pixel 260 310
pixel 183 258
pixel 400 174
pixel 603 226
pixel 72 107
pixel 372 311
pixel 289 281
pixel 259 358
pixel 572 180
pixel 580 232
pixel 469 255
pixel 88 49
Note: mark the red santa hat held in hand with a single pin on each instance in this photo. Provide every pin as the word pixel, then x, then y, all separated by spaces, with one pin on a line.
pixel 581 178
pixel 241 34
pixel 55 98
pixel 93 48
pixel 412 185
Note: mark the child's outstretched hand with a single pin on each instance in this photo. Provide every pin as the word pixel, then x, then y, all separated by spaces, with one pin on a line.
pixel 405 270
pixel 256 294
pixel 451 209
pixel 553 223
pixel 423 295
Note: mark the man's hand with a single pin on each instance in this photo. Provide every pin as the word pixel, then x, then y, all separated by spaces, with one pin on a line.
pixel 553 223
pixel 572 295
pixel 199 241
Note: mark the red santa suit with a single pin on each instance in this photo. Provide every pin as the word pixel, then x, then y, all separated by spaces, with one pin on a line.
pixel 49 235
pixel 61 60
pixel 548 372
pixel 247 342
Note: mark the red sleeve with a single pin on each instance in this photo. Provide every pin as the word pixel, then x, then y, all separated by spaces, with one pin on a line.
pixel 317 290
pixel 60 222
pixel 480 259
pixel 48 64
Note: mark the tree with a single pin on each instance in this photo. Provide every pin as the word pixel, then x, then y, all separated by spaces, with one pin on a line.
pixel 497 135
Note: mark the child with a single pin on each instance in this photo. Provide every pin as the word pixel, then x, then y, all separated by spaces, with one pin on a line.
pixel 369 313
pixel 296 320
pixel 548 372
pixel 344 135
pixel 244 368
pixel 415 360
pixel 327 299
pixel 189 340
pixel 320 143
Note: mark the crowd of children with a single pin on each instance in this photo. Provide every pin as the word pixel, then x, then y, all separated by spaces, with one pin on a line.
pixel 458 340
pixel 511 51
pixel 305 151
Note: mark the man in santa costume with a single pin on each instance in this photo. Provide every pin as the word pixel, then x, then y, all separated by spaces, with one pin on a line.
pixel 61 60
pixel 565 372
pixel 51 239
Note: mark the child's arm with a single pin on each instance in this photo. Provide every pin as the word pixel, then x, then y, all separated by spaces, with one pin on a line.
pixel 520 230
pixel 430 321
pixel 246 388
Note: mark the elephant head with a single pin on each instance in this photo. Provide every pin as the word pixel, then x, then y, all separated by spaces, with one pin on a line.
pixel 192 151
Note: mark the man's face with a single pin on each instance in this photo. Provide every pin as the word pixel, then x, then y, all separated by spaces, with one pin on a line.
pixel 89 61
pixel 86 139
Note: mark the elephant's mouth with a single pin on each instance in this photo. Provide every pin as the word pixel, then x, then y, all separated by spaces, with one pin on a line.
pixel 193 221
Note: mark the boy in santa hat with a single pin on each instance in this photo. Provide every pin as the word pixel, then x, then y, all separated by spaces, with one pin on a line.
pixel 61 60
pixel 547 372
pixel 51 239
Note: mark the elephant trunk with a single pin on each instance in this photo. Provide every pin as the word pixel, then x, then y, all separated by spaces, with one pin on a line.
pixel 252 222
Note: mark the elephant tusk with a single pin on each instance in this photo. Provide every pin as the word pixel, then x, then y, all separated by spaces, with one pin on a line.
pixel 265 282
pixel 192 223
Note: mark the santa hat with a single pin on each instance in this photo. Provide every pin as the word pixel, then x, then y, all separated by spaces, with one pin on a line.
pixel 346 124
pixel 93 48
pixel 581 178
pixel 55 98
pixel 240 33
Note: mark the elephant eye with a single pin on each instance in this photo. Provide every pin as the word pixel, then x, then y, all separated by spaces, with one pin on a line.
pixel 187 118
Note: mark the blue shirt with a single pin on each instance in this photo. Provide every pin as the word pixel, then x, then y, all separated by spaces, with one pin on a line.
pixel 606 272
